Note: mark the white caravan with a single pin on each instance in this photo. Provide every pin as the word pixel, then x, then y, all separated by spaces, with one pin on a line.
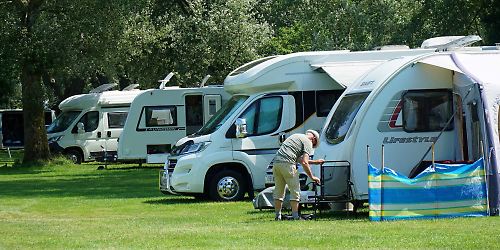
pixel 158 118
pixel 273 97
pixel 12 127
pixel 90 124
pixel 450 99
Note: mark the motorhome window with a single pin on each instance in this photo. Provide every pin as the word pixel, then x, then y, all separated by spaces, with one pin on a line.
pixel 117 119
pixel 343 116
pixel 159 116
pixel 427 110
pixel 212 107
pixel 194 113
pixel 63 121
pixel 90 121
pixel 222 115
pixel 325 100
pixel 263 116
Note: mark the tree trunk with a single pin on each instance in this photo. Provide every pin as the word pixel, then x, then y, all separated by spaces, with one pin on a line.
pixel 36 147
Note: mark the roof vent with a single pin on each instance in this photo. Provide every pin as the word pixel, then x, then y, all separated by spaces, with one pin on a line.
pixel 102 88
pixel 445 43
pixel 131 87
pixel 392 47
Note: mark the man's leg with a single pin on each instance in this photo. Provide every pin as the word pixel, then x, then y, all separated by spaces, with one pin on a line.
pixel 279 191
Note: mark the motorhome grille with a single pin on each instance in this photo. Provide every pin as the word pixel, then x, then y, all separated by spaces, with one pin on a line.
pixel 171 165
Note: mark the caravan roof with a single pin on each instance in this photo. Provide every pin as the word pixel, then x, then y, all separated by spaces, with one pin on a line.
pixel 293 71
pixel 106 98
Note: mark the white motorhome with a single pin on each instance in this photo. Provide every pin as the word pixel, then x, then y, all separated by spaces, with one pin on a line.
pixel 12 127
pixel 158 118
pixel 90 124
pixel 272 97
pixel 449 99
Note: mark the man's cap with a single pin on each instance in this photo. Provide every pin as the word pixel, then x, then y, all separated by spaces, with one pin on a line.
pixel 316 134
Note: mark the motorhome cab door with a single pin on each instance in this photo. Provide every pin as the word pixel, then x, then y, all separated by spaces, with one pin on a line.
pixel 266 119
pixel 90 135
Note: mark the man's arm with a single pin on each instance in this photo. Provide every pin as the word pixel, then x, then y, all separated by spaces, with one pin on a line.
pixel 305 164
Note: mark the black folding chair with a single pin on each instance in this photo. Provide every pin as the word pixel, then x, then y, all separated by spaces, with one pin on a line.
pixel 336 185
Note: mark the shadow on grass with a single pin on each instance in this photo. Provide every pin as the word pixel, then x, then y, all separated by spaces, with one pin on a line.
pixel 320 215
pixel 175 200
pixel 93 184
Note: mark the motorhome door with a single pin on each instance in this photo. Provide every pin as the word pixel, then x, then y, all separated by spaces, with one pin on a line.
pixel 89 136
pixel 114 120
pixel 265 119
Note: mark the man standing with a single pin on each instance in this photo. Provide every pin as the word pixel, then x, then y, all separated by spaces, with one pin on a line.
pixel 295 149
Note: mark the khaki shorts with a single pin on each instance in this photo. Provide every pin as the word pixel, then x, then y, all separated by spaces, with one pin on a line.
pixel 286 174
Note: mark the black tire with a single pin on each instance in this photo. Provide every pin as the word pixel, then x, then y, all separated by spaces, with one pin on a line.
pixel 227 185
pixel 74 156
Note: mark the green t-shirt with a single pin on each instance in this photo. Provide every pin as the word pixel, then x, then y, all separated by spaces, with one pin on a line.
pixel 293 148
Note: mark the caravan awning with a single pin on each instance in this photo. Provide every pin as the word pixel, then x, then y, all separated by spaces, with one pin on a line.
pixel 345 73
pixel 482 68
pixel 442 61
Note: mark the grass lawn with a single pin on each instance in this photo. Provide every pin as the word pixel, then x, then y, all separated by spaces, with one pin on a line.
pixel 62 206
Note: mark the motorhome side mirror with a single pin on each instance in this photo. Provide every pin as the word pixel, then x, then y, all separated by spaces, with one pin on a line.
pixel 241 128
pixel 80 128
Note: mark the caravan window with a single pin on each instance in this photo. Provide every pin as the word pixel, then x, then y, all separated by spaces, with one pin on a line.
pixel 263 116
pixel 343 117
pixel 158 116
pixel 427 110
pixel 325 100
pixel 117 119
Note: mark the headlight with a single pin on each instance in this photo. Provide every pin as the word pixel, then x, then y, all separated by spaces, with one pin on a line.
pixel 55 139
pixel 194 148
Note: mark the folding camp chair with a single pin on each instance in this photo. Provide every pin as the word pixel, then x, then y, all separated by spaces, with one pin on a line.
pixel 336 185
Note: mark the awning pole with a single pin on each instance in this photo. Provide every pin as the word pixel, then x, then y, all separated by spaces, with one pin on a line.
pixel 367 154
pixel 433 161
pixel 485 177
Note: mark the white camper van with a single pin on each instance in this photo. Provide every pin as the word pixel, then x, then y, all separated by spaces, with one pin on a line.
pixel 90 124
pixel 450 99
pixel 273 97
pixel 158 118
pixel 12 127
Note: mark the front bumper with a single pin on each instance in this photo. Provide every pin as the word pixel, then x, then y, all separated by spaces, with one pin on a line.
pixel 184 175
pixel 164 182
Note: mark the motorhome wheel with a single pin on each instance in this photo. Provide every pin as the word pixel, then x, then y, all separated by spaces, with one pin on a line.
pixel 227 185
pixel 74 156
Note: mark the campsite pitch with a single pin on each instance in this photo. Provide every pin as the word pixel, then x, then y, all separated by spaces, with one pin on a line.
pixel 61 206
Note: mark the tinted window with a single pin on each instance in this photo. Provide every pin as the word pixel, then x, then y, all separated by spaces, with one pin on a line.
pixel 427 110
pixel 63 121
pixel 343 116
pixel 325 101
pixel 263 116
pixel 90 121
pixel 159 116
pixel 222 115
pixel 117 119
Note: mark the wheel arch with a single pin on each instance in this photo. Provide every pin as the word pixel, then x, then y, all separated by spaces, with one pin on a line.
pixel 234 166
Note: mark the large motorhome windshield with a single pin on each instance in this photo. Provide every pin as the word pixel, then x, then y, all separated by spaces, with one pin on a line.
pixel 222 115
pixel 63 121
pixel 343 117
